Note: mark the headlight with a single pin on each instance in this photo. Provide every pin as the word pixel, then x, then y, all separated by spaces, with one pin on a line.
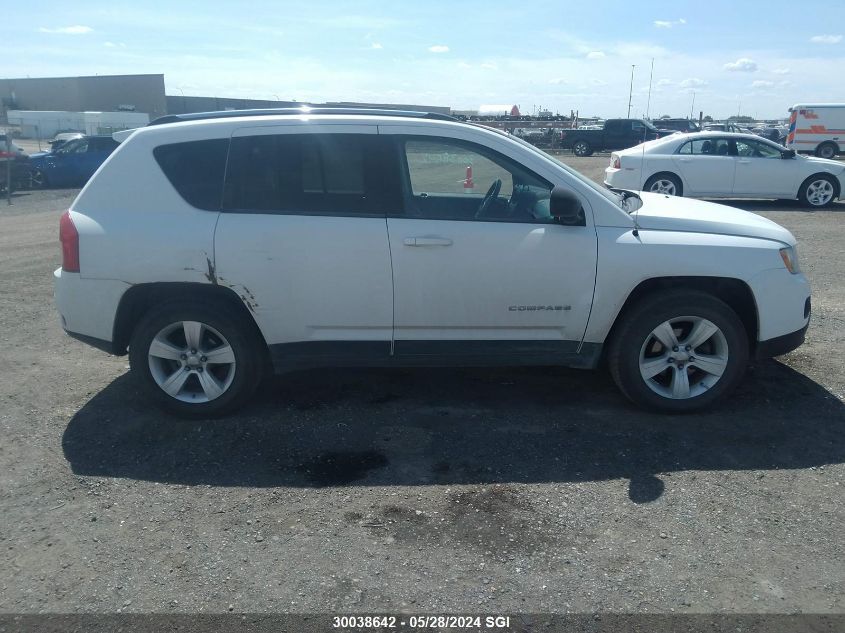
pixel 789 256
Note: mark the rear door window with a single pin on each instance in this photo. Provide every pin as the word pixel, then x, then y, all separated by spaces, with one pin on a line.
pixel 325 174
pixel 195 169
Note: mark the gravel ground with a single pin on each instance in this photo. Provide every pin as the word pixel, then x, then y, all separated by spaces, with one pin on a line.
pixel 494 490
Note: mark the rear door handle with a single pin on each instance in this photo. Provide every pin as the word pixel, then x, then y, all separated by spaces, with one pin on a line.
pixel 427 241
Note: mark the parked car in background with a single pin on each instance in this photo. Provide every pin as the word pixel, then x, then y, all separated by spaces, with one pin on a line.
pixel 15 161
pixel 73 163
pixel 725 127
pixel 615 134
pixel 676 125
pixel 63 137
pixel 770 132
pixel 714 165
pixel 217 247
pixel 817 128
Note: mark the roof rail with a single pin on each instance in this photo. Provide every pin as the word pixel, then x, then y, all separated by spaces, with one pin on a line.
pixel 305 110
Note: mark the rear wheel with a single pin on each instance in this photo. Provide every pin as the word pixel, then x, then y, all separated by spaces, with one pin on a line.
pixel 826 150
pixel 582 148
pixel 667 184
pixel 817 191
pixel 678 351
pixel 196 360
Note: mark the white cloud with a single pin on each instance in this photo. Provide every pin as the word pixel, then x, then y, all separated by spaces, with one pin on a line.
pixel 781 71
pixel 557 81
pixel 762 83
pixel 596 55
pixel 68 30
pixel 114 44
pixel 376 46
pixel 598 82
pixel 692 82
pixel 438 48
pixel 826 39
pixel 489 66
pixel 664 82
pixel 668 24
pixel 743 64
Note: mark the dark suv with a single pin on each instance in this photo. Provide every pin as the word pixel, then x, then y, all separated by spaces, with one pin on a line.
pixel 677 125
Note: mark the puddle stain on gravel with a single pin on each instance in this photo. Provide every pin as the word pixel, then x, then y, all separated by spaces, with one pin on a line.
pixel 495 519
pixel 341 468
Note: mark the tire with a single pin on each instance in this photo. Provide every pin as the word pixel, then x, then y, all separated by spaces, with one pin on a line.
pixel 582 148
pixel 818 191
pixel 159 352
pixel 635 351
pixel 827 150
pixel 37 179
pixel 665 183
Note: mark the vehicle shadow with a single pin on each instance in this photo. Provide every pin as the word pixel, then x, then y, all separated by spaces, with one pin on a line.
pixel 456 426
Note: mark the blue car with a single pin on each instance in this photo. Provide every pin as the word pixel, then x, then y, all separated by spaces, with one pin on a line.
pixel 72 164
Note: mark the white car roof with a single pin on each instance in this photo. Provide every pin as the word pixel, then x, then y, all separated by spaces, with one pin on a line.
pixel 677 139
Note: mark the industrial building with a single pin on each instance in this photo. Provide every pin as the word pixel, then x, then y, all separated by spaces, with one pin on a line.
pixel 106 93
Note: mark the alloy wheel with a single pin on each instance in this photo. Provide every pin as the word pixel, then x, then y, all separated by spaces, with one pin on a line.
pixel 683 357
pixel 191 362
pixel 819 192
pixel 664 186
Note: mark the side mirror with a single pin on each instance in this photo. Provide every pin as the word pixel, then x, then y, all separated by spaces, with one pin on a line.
pixel 566 207
pixel 788 153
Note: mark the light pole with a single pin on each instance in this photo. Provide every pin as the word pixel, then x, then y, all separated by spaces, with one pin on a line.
pixel 650 77
pixel 631 90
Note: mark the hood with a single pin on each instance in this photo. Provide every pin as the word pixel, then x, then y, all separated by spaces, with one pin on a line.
pixel 668 213
pixel 825 164
pixel 39 154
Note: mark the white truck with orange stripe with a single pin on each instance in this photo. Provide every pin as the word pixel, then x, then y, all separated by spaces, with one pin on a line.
pixel 817 128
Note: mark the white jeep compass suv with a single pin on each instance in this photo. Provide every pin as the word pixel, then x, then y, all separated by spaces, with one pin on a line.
pixel 217 247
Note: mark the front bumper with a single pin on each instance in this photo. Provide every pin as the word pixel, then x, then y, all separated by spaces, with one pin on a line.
pixel 781 345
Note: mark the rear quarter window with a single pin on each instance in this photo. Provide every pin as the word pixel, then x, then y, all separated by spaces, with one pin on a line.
pixel 196 170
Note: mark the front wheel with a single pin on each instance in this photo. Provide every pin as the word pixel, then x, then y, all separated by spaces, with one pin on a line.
pixel 37 179
pixel 196 360
pixel 678 352
pixel 826 150
pixel 817 191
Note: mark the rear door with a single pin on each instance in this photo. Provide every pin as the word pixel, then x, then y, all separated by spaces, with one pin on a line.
pixel 617 134
pixel 303 239
pixel 706 166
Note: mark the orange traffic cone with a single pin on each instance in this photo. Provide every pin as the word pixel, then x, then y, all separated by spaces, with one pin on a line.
pixel 469 185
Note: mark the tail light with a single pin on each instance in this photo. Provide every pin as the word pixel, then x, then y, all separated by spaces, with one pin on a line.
pixel 69 237
pixel 615 162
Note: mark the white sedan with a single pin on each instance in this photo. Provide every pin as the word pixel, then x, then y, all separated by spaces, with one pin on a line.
pixel 722 165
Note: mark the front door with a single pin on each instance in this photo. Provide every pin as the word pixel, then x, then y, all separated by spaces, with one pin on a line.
pixel 762 170
pixel 480 268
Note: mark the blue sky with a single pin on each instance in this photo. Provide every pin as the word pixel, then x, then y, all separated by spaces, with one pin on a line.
pixel 755 57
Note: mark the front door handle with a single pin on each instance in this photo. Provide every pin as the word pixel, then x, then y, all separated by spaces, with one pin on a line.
pixel 744 162
pixel 427 241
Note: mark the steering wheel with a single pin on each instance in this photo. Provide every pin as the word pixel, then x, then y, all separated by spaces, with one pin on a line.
pixel 491 195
